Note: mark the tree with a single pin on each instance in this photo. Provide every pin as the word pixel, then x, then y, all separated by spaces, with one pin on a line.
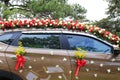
pixel 45 8
pixel 114 13
pixel 104 23
pixel 112 22
pixel 5 1
pixel 9 8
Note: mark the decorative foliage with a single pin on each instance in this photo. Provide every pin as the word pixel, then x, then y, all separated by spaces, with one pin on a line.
pixel 80 62
pixel 70 25
pixel 20 51
pixel 80 54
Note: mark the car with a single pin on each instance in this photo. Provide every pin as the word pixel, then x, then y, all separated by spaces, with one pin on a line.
pixel 50 55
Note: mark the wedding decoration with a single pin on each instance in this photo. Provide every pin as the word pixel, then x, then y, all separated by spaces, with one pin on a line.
pixel 70 25
pixel 80 61
pixel 20 59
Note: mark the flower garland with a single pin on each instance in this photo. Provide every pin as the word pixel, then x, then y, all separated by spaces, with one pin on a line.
pixel 20 60
pixel 70 25
pixel 80 61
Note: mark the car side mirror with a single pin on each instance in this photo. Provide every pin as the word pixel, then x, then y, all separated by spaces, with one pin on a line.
pixel 116 52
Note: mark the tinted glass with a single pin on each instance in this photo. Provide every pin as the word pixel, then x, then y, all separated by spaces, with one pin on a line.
pixel 40 40
pixel 5 38
pixel 87 43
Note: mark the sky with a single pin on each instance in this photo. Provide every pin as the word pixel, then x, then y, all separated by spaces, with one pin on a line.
pixel 95 8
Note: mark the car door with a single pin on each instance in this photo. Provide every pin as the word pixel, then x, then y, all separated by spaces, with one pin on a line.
pixel 45 58
pixel 3 47
pixel 101 65
pixel 5 40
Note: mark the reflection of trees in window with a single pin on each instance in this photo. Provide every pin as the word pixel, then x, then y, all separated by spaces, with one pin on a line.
pixel 7 41
pixel 6 38
pixel 87 43
pixel 37 42
pixel 85 48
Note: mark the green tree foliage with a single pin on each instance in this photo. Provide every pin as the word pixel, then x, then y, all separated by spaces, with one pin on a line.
pixel 45 8
pixel 114 13
pixel 56 9
pixel 112 22
pixel 104 23
pixel 107 24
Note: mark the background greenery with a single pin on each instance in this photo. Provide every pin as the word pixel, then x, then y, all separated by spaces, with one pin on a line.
pixel 55 9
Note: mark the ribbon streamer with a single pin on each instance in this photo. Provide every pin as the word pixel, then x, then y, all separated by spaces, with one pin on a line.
pixel 80 63
pixel 20 62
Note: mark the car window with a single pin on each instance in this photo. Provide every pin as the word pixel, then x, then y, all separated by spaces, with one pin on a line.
pixel 6 38
pixel 87 43
pixel 37 40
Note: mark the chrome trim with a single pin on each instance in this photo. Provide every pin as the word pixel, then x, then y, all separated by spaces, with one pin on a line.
pixel 42 31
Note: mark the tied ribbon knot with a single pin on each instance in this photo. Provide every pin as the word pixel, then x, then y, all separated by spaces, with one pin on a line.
pixel 20 62
pixel 80 63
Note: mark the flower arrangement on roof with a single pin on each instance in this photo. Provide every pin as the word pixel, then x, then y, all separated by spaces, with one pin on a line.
pixel 70 25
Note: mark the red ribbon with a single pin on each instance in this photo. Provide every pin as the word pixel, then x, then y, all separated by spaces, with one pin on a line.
pixel 80 63
pixel 20 62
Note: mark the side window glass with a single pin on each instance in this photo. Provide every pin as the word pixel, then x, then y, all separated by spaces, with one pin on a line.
pixel 34 40
pixel 87 43
pixel 5 38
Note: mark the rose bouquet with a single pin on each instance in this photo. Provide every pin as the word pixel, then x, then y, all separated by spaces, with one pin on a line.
pixel 80 62
pixel 20 52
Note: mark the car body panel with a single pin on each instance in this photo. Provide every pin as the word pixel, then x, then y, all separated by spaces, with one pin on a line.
pixel 99 66
pixel 43 64
pixel 60 64
pixel 3 61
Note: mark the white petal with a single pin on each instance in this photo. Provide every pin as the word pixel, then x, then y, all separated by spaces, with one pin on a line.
pixel 118 69
pixel 113 60
pixel 60 77
pixel 30 67
pixel 87 69
pixel 108 70
pixel 20 71
pixel 57 65
pixel 95 75
pixel 42 58
pixel 1 61
pixel 92 62
pixel 101 65
pixel 64 59
pixel 70 72
pixel 34 60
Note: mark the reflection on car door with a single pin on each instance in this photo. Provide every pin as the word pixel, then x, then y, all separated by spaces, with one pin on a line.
pixel 3 61
pixel 5 40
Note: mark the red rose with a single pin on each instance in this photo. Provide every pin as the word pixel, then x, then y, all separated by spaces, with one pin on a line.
pixel 80 27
